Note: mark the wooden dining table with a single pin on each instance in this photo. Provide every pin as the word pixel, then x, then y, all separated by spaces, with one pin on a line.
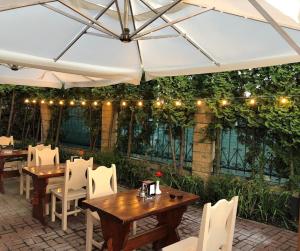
pixel 118 212
pixel 40 176
pixel 4 156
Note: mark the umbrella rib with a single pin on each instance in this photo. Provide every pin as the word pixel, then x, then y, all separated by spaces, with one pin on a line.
pixel 119 15
pixel 82 32
pixel 88 18
pixel 276 26
pixel 100 35
pixel 137 42
pixel 170 23
pixel 158 15
pixel 185 36
pixel 73 17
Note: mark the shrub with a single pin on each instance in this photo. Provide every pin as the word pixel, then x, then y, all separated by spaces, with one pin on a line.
pixel 257 200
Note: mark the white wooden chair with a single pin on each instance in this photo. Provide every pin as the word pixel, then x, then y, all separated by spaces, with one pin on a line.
pixel 48 156
pixel 74 189
pixel 100 182
pixel 6 141
pixel 31 161
pixel 217 229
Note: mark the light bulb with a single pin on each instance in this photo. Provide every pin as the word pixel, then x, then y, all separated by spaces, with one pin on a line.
pixel 95 103
pixel 140 103
pixel 72 102
pixel 178 103
pixel 26 101
pixel 199 102
pixel 224 102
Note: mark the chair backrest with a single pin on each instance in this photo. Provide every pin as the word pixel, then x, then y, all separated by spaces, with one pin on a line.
pixel 31 156
pixel 76 174
pixel 47 156
pixel 217 226
pixel 6 141
pixel 101 181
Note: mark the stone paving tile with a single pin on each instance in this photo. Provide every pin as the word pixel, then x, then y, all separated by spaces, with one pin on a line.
pixel 20 232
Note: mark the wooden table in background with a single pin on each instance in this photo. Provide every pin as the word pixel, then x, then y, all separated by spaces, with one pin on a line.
pixel 4 155
pixel 40 176
pixel 118 212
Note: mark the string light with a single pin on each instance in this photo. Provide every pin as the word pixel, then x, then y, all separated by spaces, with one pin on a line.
pixel 158 103
pixel 43 101
pixel 224 102
pixel 83 103
pixel 283 100
pixel 51 102
pixel 72 102
pixel 108 103
pixel 252 102
pixel 26 101
pixel 95 103
pixel 124 103
pixel 199 102
pixel 178 103
pixel 61 102
pixel 140 103
pixel 34 101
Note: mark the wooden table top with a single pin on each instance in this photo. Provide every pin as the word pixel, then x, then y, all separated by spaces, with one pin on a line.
pixel 48 171
pixel 128 206
pixel 12 153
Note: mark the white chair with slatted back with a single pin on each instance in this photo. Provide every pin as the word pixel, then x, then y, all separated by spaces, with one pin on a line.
pixel 48 156
pixel 101 181
pixel 31 161
pixel 74 189
pixel 6 141
pixel 217 229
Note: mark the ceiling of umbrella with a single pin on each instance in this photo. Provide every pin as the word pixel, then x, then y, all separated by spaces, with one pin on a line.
pixel 100 42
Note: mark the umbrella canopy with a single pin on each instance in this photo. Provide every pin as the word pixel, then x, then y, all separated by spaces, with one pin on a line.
pixel 96 42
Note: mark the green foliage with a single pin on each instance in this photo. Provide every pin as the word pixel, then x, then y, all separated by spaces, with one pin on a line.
pixel 269 122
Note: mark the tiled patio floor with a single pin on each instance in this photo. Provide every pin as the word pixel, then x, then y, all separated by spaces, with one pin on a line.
pixel 19 231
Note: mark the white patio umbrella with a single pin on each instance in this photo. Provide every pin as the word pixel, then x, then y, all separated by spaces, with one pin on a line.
pixel 97 42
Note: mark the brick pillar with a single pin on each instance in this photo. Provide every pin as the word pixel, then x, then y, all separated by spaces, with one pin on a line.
pixel 45 121
pixel 203 147
pixel 108 128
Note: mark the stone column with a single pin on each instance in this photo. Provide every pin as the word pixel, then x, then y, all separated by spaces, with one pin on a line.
pixel 203 146
pixel 45 121
pixel 108 128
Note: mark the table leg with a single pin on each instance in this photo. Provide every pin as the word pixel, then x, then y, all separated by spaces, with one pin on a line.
pixel 115 233
pixel 171 219
pixel 2 162
pixel 39 199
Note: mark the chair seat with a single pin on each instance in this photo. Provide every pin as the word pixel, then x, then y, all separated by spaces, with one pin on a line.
pixel 189 244
pixel 56 180
pixel 72 194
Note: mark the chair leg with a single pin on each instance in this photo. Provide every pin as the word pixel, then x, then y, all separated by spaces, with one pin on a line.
pixel 21 183
pixel 53 207
pixel 27 186
pixel 47 208
pixel 76 206
pixel 134 228
pixel 64 215
pixel 89 231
